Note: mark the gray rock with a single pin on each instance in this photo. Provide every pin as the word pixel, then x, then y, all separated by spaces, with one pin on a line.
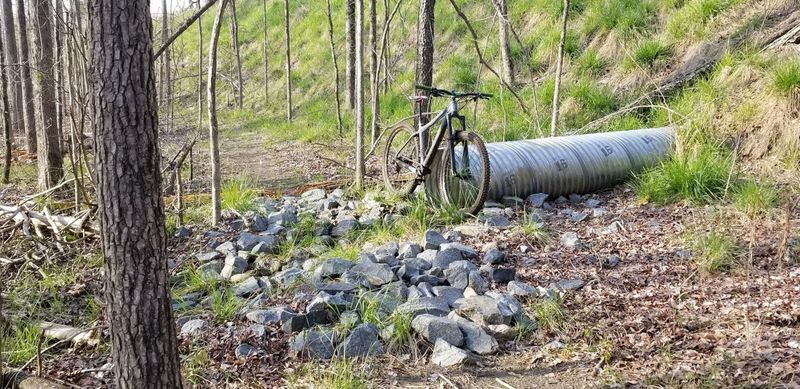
pixel 536 219
pixel 284 217
pixel 192 326
pixel 497 221
pixel 397 290
pixel 477 283
pixel 575 198
pixel 234 265
pixel 332 268
pixel 288 277
pixel 428 255
pixel 467 252
pixel 279 314
pixel 391 248
pixel 183 232
pixel 520 289
pixel 344 226
pixel 211 269
pixel 407 272
pixel 436 306
pixel 512 201
pixel 300 322
pixel 435 327
pixel 570 240
pixel 502 275
pixel 349 319
pixel 475 338
pixel 409 250
pixel 615 227
pixel 313 344
pixel 313 195
pixel 226 248
pixel 248 241
pixel 578 217
pixel 565 285
pixel 260 223
pixel 432 240
pixel 449 293
pixel 612 261
pixel 390 260
pixel 593 203
pixel 257 330
pixel 485 310
pixel 507 303
pixel 362 342
pixel 561 200
pixel 274 229
pixel 330 302
pixel 537 200
pixel 467 265
pixel 376 274
pixel 444 258
pixel 446 355
pixel 427 279
pixel 209 256
pixel 419 263
pixel 245 350
pixel 458 277
pixel 335 287
pixel 494 256
pixel 599 212
pixel 247 287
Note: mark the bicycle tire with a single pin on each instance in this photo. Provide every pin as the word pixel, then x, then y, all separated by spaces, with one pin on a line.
pixel 403 188
pixel 470 206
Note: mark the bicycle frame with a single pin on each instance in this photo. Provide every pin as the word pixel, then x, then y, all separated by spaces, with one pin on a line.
pixel 446 127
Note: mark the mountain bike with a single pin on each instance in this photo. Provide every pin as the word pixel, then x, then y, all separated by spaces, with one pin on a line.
pixel 455 164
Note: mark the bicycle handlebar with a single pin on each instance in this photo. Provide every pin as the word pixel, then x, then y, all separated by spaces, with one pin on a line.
pixel 436 92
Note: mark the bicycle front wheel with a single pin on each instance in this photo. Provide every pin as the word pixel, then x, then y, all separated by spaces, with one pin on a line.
pixel 400 160
pixel 464 173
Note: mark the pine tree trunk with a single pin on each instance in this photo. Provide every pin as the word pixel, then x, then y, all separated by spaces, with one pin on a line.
pixel 559 64
pixel 199 88
pixel 27 82
pixel 213 130
pixel 374 77
pixel 350 46
pixel 49 155
pixel 505 49
pixel 289 115
pixel 266 57
pixel 335 72
pixel 138 307
pixel 235 42
pixel 424 71
pixel 359 109
pixel 5 111
pixel 166 63
pixel 12 69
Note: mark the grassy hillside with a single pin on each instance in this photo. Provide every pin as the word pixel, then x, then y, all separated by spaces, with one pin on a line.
pixel 616 50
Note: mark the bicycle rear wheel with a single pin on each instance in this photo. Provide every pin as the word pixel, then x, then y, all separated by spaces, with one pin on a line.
pixel 464 175
pixel 400 160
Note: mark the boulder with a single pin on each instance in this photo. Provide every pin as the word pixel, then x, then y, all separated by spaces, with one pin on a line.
pixel 193 326
pixel 449 293
pixel 475 338
pixel 494 256
pixel 433 328
pixel 537 200
pixel 409 250
pixel 458 277
pixel 332 268
pixel 520 289
pixel 234 264
pixel 362 342
pixel 279 314
pixel 432 240
pixel 444 258
pixel 436 306
pixel 485 310
pixel 248 241
pixel 316 344
pixel 376 274
pixel 445 354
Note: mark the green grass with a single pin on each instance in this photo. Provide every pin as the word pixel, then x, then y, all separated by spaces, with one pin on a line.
pixel 591 63
pixel 691 20
pixel 534 234
pixel 193 281
pixel 593 101
pixel 713 251
pixel 401 336
pixel 647 55
pixel 224 305
pixel 549 314
pixel 785 76
pixel 340 373
pixel 699 176
pixel 753 198
pixel 625 17
pixel 369 309
pixel 238 195
pixel 20 342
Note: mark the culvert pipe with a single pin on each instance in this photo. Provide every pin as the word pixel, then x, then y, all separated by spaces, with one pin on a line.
pixel 568 164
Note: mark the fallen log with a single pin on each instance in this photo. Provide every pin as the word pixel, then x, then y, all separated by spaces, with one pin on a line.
pixel 26 218
pixel 77 336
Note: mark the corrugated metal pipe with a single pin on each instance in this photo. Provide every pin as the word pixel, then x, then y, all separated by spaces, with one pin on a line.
pixel 570 164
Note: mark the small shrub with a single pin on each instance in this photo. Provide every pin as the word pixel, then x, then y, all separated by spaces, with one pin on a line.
pixel 714 251
pixel 238 195
pixel 699 177
pixel 753 198
pixel 646 55
pixel 785 76
pixel 549 314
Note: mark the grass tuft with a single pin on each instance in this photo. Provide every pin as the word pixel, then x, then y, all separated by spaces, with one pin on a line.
pixel 753 198
pixel 549 314
pixel 238 195
pixel 647 55
pixel 20 342
pixel 785 76
pixel 224 305
pixel 714 251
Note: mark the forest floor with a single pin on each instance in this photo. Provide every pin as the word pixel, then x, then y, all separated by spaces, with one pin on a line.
pixel 648 314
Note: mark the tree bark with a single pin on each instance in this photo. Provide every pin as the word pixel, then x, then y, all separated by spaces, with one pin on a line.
pixel 424 70
pixel 235 42
pixel 199 87
pixel 213 131
pixel 12 69
pixel 559 65
pixel 5 111
pixel 505 48
pixel 374 76
pixel 350 46
pixel 288 62
pixel 59 70
pixel 27 81
pixel 359 109
pixel 166 71
pixel 385 46
pixel 335 72
pixel 48 154
pixel 266 56
pixel 143 341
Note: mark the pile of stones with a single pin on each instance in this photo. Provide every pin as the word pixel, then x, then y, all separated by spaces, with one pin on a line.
pixel 457 299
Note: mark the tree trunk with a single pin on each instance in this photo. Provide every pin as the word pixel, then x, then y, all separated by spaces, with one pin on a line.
pixel 5 111
pixel 335 72
pixel 199 88
pixel 166 64
pixel 213 131
pixel 60 84
pixel 350 46
pixel 144 348
pixel 559 64
pixel 235 42
pixel 385 46
pixel 359 109
pixel 266 57
pixel 505 49
pixel 49 145
pixel 27 82
pixel 12 67
pixel 288 62
pixel 424 71
pixel 374 77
